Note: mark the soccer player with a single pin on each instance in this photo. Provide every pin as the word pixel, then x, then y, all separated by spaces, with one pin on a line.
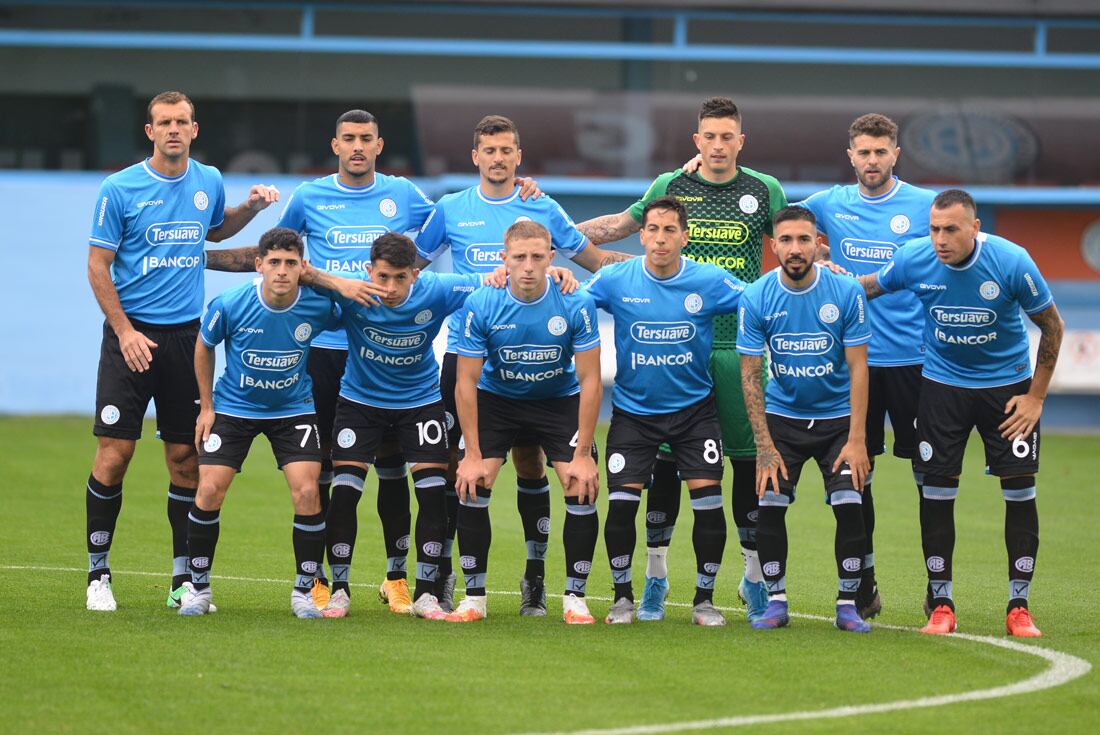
pixel 814 324
pixel 730 209
pixel 145 265
pixel 267 326
pixel 865 223
pixel 664 307
pixel 472 225
pixel 515 377
pixel 977 373
pixel 391 387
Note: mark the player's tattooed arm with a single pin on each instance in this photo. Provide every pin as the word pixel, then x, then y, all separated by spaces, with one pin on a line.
pixel 232 260
pixel 609 227
pixel 769 465
pixel 353 289
pixel 136 348
pixel 593 257
pixel 260 197
pixel 1023 411
pixel 870 284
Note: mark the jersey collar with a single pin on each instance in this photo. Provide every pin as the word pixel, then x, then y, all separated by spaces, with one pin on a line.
pixel 161 177
pixel 353 189
pixel 666 279
pixel 491 200
pixel 272 309
pixel 881 197
pixel 973 256
pixel 521 302
pixel 800 291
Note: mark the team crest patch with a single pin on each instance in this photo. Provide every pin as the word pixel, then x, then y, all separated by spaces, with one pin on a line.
pixel 201 200
pixel 213 443
pixel 448 420
pixel 772 568
pixel 1026 564
pixel 423 317
pixel 748 204
pixel 387 207
pixel 828 313
pixel 615 463
pixel 346 438
pixel 110 415
pixel 693 302
pixel 303 331
pixel 557 326
pixel 989 290
pixel 925 451
pixel 899 224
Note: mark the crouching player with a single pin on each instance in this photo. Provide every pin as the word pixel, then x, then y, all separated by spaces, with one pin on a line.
pixel 267 325
pixel 815 326
pixel 516 378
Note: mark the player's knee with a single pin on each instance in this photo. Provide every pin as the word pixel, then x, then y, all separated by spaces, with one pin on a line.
pixel 183 464
pixel 306 498
pixel 1018 489
pixel 209 495
pixel 940 487
pixel 112 457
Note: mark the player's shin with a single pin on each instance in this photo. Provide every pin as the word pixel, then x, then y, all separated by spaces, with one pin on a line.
pixel 662 510
pixel 533 502
pixel 771 540
pixel 309 548
pixel 620 536
pixel 937 524
pixel 582 526
pixel 342 523
pixel 180 500
pixel 745 511
pixel 393 512
pixel 708 538
pixel 102 505
pixel 848 544
pixel 1021 536
pixel 867 504
pixel 475 535
pixel 430 522
pixel 203 527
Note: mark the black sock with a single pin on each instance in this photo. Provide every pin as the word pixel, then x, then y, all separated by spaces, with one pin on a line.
pixel 180 500
pixel 430 523
pixel 582 526
pixel 102 503
pixel 450 528
pixel 745 511
pixel 533 501
pixel 662 506
pixel 393 511
pixel 620 535
pixel 1021 537
pixel 867 505
pixel 324 485
pixel 708 537
pixel 848 546
pixel 937 528
pixel 309 548
pixel 475 534
pixel 342 523
pixel 771 540
pixel 203 527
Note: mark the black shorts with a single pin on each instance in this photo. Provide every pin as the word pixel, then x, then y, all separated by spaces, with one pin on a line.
pixel 693 434
pixel 948 413
pixel 894 391
pixel 799 440
pixel 122 395
pixel 360 429
pixel 293 439
pixel 325 366
pixel 551 423
pixel 448 376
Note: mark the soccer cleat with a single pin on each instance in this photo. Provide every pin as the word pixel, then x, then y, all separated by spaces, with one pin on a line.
pixel 532 597
pixel 195 602
pixel 427 607
pixel 575 611
pixel 776 615
pixel 848 619
pixel 620 613
pixel 320 593
pixel 338 604
pixel 302 605
pixel 755 597
pixel 471 609
pixel 100 598
pixel 447 592
pixel 941 621
pixel 869 608
pixel 706 614
pixel 653 599
pixel 395 593
pixel 175 599
pixel 1019 624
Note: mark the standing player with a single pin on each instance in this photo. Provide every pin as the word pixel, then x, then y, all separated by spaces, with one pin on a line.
pixel 977 373
pixel 516 378
pixel 814 324
pixel 472 224
pixel 267 326
pixel 866 222
pixel 730 209
pixel 145 265
pixel 664 307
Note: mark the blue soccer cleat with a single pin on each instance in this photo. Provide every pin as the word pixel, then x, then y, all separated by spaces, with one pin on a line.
pixel 755 597
pixel 848 619
pixel 775 616
pixel 653 599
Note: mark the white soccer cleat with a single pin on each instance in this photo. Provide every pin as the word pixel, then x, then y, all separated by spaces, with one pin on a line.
pixel 195 602
pixel 338 604
pixel 302 605
pixel 100 597
pixel 707 615
pixel 471 609
pixel 621 613
pixel 575 611
pixel 427 607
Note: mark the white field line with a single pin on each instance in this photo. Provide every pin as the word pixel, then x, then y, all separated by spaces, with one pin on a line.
pixel 1063 668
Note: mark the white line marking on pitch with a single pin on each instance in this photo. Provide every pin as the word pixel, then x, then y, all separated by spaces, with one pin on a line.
pixel 1063 668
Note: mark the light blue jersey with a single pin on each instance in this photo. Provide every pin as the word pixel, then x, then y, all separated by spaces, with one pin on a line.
pixel 664 330
pixel 973 330
pixel 391 362
pixel 473 227
pixel 340 223
pixel 528 346
pixel 805 331
pixel 157 227
pixel 265 350
pixel 863 234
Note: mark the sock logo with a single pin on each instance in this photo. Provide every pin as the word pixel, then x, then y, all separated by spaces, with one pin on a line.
pixel 711 567
pixel 753 515
pixel 852 564
pixel 346 438
pixel 403 543
pixel 341 550
pixel 1026 564
pixel 621 562
pixel 936 564
pixel 544 525
pixel 200 562
pixel 772 568
pixel 582 567
pixel 99 538
pixel 656 516
pixel 433 548
pixel 615 463
pixel 467 562
pixel 309 567
pixel 110 415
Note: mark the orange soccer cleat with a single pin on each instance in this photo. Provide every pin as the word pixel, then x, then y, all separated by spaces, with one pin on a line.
pixel 1019 624
pixel 941 621
pixel 395 593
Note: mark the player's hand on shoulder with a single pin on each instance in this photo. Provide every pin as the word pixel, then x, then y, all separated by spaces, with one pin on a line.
pixel 528 188
pixel 1023 413
pixel 693 165
pixel 262 196
pixel 855 455
pixel 498 278
pixel 834 267
pixel 203 425
pixel 136 349
pixel 362 292
pixel 564 277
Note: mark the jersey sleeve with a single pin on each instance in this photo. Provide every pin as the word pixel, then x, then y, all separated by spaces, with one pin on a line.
pixel 776 196
pixel 857 327
pixel 471 340
pixel 334 318
pixel 750 330
pixel 725 291
pixel 422 211
pixel 294 213
pixel 432 240
pixel 213 330
pixel 597 288
pixel 657 189
pixel 891 277
pixel 457 288
pixel 1031 288
pixel 816 204
pixel 564 235
pixel 585 328
pixel 108 218
pixel 217 206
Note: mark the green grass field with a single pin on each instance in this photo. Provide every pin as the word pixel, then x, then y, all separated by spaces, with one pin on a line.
pixel 252 667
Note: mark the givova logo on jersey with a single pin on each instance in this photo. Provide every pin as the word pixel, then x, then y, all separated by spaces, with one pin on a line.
pixel 175 233
pixel 875 252
pixel 530 354
pixel 354 236
pixel 274 360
